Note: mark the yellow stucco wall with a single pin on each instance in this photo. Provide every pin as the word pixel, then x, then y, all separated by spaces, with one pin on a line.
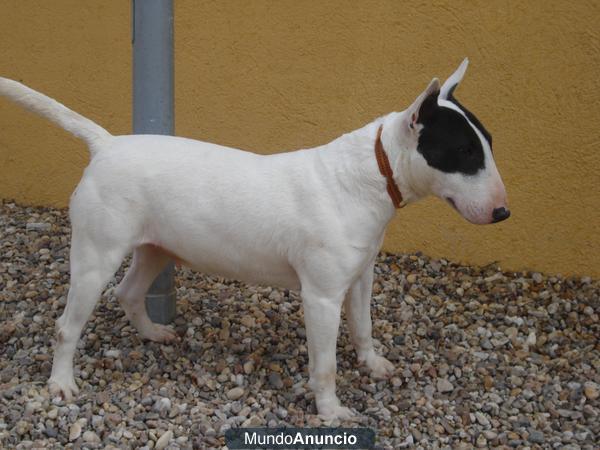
pixel 266 75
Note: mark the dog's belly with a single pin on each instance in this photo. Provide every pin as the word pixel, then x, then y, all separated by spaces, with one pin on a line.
pixel 271 273
pixel 219 257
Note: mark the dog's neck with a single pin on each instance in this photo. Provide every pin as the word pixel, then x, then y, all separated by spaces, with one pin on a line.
pixel 356 169
pixel 401 148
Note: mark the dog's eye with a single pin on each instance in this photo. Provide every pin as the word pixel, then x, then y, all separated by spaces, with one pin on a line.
pixel 468 151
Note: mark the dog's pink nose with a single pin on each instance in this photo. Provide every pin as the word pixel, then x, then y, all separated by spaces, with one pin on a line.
pixel 500 214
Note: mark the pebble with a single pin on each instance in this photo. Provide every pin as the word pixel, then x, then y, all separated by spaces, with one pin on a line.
pixel 481 441
pixel 482 419
pixel 38 226
pixel 490 435
pixel 488 382
pixel 248 367
pixel 591 390
pixel 112 353
pixel 164 440
pixel 74 431
pixel 235 393
pixel 91 437
pixel 281 413
pixel 275 380
pixel 536 437
pixel 22 427
pixel 443 385
pixel 248 321
pixel 531 339
pixel 162 404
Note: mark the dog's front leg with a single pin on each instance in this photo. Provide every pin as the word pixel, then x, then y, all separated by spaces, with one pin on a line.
pixel 358 309
pixel 322 320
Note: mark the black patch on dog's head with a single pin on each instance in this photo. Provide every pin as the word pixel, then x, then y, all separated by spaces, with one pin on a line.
pixel 474 120
pixel 447 141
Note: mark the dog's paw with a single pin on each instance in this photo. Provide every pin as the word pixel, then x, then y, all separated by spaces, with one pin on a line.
pixel 65 388
pixel 159 333
pixel 380 367
pixel 329 413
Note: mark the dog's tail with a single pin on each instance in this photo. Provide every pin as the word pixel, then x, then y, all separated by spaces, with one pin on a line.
pixel 39 103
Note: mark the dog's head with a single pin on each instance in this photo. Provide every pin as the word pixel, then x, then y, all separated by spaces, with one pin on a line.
pixel 450 154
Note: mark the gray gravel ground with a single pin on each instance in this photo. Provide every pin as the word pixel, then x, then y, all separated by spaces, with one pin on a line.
pixel 484 358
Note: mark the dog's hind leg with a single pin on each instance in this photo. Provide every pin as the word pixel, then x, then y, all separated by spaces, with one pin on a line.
pixel 94 260
pixel 148 261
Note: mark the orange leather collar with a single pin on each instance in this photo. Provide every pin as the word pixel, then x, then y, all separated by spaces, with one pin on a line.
pixel 384 167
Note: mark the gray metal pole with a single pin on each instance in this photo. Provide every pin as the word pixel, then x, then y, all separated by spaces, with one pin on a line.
pixel 152 39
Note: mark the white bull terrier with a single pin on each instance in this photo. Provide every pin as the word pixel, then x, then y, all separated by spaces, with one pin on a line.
pixel 311 219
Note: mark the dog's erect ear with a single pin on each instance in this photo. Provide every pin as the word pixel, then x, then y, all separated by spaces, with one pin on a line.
pixel 452 81
pixel 425 104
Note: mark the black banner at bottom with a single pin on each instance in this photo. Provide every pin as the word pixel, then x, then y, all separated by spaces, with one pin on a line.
pixel 299 438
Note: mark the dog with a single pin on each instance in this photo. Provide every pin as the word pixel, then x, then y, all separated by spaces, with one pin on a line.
pixel 311 219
